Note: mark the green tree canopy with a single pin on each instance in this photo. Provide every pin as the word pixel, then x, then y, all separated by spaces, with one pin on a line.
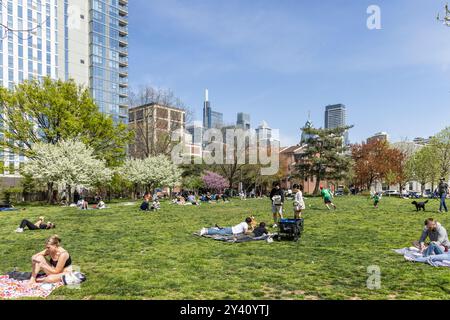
pixel 325 155
pixel 50 111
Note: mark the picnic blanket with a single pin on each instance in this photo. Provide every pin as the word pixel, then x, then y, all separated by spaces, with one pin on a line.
pixel 14 289
pixel 236 239
pixel 412 253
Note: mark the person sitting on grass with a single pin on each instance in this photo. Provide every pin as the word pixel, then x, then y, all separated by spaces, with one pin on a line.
pixel 191 199
pixel 101 204
pixel 58 264
pixel 145 206
pixel 438 236
pixel 39 225
pixel 327 197
pixel 260 231
pixel 156 205
pixel 241 228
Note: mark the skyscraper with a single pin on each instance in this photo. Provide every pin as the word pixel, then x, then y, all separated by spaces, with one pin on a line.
pixel 336 116
pixel 83 40
pixel 243 121
pixel 211 119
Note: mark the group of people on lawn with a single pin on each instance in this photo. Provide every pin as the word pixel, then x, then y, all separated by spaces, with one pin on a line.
pixel 189 198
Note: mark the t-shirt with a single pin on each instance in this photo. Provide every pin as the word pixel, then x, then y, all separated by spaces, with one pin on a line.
pixel 326 194
pixel 240 228
pixel 260 231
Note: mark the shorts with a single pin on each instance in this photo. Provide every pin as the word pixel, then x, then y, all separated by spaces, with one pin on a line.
pixel 327 200
pixel 277 209
pixel 299 207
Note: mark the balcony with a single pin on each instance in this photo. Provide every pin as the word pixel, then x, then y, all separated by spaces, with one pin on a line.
pixel 123 21
pixel 123 102
pixel 123 51
pixel 123 30
pixel 123 42
pixel 123 92
pixel 123 2
pixel 123 72
pixel 123 10
pixel 123 61
pixel 123 82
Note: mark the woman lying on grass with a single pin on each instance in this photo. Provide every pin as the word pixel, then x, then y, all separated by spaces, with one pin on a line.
pixel 58 265
pixel 39 225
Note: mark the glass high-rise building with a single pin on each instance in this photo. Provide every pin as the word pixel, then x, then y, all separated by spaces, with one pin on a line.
pixel 243 121
pixel 84 40
pixel 336 116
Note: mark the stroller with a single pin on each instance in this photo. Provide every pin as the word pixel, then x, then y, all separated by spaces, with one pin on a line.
pixel 290 229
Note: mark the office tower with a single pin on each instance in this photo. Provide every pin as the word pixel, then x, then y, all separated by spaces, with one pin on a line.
pixel 216 120
pixel 207 111
pixel 336 116
pixel 243 121
pixel 83 40
pixel 211 119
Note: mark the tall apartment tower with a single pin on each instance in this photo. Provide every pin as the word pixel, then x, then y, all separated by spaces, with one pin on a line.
pixel 336 116
pixel 84 40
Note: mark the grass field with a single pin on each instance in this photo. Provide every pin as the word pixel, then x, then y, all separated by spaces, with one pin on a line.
pixel 127 254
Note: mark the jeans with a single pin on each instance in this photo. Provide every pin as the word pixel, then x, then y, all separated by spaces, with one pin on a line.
pixel 26 223
pixel 443 204
pixel 433 249
pixel 222 232
pixel 435 258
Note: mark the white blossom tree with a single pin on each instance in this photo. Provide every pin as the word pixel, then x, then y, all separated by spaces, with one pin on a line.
pixel 151 172
pixel 67 164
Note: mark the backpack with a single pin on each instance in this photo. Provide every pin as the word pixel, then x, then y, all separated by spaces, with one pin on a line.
pixel 19 276
pixel 73 278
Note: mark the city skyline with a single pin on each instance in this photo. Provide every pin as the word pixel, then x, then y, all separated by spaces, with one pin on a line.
pixel 276 62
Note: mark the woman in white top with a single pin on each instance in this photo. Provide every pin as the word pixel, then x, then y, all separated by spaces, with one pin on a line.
pixel 299 202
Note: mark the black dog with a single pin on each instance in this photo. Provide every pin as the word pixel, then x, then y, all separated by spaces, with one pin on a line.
pixel 420 205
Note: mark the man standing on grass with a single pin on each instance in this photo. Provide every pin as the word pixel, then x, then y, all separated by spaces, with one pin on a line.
pixel 277 198
pixel 327 197
pixel 443 191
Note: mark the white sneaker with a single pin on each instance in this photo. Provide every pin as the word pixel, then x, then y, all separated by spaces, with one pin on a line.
pixel 408 258
pixel 203 232
pixel 19 230
pixel 275 226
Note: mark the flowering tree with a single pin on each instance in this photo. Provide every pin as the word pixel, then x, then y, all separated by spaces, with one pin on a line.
pixel 68 164
pixel 214 181
pixel 151 172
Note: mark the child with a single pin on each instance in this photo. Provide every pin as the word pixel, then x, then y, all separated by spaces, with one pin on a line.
pixel 299 203
pixel 327 197
pixel 376 200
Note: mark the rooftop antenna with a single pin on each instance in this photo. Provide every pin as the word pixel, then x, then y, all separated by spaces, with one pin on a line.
pixel 309 115
pixel 206 95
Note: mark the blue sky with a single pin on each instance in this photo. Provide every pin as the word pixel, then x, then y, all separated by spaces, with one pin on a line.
pixel 278 59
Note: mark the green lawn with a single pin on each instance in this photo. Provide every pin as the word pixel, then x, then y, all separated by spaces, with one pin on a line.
pixel 127 254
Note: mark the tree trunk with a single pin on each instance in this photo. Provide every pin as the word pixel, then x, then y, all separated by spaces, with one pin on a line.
pixel 49 192
pixel 316 188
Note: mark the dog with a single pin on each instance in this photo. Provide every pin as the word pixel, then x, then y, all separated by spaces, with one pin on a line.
pixel 419 205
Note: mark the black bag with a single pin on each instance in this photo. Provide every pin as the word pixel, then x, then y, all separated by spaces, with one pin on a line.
pixel 19 276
